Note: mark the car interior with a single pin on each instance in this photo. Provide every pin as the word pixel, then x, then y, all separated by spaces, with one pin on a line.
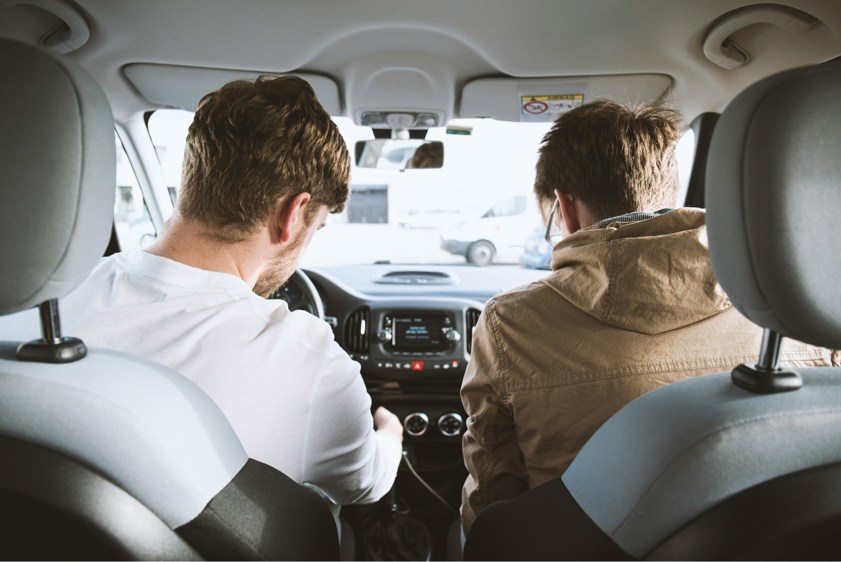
pixel 107 455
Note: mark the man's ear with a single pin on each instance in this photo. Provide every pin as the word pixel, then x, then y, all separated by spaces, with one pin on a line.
pixel 288 216
pixel 569 211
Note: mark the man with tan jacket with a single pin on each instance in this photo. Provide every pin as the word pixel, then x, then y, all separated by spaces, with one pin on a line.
pixel 632 304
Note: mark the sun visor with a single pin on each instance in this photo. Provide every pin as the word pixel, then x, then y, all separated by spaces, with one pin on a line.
pixel 184 86
pixel 543 99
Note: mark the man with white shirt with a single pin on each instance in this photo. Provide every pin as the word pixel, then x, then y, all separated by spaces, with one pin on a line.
pixel 264 165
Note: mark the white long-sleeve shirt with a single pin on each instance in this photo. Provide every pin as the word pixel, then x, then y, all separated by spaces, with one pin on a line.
pixel 293 396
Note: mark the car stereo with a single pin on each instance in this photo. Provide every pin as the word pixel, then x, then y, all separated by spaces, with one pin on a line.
pixel 412 342
pixel 411 332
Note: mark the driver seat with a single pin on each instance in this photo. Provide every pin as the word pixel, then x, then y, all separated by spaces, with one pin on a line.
pixel 104 455
pixel 741 465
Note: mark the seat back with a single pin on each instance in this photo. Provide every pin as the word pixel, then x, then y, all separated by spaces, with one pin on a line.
pixel 703 468
pixel 104 455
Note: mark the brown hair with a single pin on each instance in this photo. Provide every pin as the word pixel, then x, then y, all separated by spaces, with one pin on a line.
pixel 253 143
pixel 428 155
pixel 615 159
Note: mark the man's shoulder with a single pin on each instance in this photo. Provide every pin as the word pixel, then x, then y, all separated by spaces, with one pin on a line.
pixel 114 262
pixel 307 334
pixel 522 291
pixel 532 292
pixel 531 307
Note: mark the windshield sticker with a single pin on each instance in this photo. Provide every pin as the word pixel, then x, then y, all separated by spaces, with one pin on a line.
pixel 537 109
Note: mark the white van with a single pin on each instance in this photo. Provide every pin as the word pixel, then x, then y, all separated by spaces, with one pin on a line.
pixel 496 234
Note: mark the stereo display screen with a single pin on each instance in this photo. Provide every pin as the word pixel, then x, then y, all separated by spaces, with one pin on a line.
pixel 414 332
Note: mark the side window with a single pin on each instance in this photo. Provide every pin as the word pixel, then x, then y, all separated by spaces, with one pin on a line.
pixel 168 131
pixel 131 217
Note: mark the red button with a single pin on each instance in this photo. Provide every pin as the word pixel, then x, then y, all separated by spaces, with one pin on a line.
pixel 417 365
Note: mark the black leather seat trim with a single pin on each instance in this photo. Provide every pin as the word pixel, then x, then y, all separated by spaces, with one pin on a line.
pixel 562 531
pixel 262 514
pixel 54 508
pixel 792 517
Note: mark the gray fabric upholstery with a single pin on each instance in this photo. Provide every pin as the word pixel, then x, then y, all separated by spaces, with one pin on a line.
pixel 57 135
pixel 146 428
pixel 774 201
pixel 674 453
pixel 110 411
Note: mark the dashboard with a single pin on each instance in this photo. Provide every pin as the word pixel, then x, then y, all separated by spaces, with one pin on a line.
pixel 410 329
pixel 412 349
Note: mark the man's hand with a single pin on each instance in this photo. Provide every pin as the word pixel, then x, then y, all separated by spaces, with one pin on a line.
pixel 384 420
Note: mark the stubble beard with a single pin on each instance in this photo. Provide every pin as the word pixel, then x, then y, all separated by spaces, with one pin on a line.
pixel 280 269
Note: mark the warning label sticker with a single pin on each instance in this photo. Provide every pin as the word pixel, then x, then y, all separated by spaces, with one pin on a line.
pixel 547 108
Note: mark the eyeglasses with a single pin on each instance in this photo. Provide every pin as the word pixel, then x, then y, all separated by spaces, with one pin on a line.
pixel 551 221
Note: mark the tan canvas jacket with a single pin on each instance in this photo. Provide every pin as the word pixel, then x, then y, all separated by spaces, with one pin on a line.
pixel 627 308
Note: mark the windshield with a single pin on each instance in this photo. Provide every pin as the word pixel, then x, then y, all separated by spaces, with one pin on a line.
pixel 478 208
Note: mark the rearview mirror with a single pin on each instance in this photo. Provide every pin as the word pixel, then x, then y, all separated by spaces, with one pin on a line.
pixel 399 154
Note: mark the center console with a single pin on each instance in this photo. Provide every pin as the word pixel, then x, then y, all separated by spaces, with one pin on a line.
pixel 413 355
pixel 411 343
pixel 415 359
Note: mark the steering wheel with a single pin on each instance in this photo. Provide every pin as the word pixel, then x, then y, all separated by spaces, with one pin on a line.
pixel 300 293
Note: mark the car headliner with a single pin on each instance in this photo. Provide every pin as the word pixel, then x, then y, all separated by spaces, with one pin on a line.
pixel 381 52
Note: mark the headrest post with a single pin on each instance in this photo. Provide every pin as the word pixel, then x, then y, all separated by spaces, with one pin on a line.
pixel 769 353
pixel 765 377
pixel 50 323
pixel 51 348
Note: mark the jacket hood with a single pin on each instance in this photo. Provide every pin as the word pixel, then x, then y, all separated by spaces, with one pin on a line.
pixel 649 276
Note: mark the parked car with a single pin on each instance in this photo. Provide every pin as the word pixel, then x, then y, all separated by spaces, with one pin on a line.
pixel 495 233
pixel 537 252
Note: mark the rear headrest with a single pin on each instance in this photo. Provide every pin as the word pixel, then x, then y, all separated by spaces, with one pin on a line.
pixel 57 175
pixel 774 203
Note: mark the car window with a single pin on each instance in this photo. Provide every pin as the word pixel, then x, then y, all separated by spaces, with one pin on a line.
pixel 131 215
pixel 396 215
pixel 400 216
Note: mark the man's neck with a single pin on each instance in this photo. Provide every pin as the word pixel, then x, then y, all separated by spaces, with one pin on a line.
pixel 192 244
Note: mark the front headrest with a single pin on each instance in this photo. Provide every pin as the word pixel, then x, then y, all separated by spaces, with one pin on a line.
pixel 57 175
pixel 774 203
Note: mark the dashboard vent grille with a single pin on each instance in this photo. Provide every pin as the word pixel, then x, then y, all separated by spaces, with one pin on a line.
pixel 472 320
pixel 357 328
